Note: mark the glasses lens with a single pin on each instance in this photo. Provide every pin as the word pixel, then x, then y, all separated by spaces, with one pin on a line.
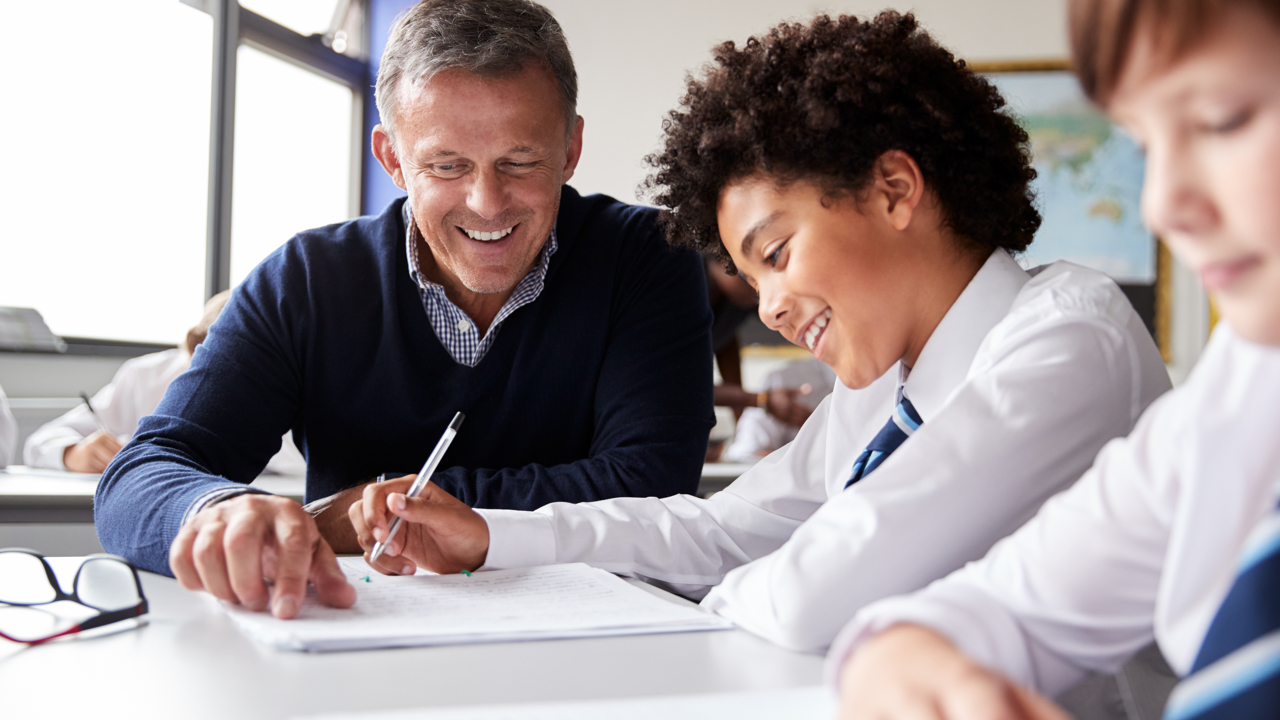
pixel 107 584
pixel 29 624
pixel 23 581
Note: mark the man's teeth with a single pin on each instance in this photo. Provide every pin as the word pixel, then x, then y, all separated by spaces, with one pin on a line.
pixel 488 236
pixel 815 329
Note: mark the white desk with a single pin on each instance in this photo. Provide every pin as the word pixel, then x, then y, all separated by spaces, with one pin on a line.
pixel 190 661
pixel 29 495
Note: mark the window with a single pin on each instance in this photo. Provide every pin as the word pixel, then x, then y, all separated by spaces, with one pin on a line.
pixel 105 162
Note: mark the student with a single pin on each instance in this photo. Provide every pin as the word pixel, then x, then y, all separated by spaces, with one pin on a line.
pixel 75 442
pixel 867 184
pixel 758 431
pixel 8 431
pixel 1172 533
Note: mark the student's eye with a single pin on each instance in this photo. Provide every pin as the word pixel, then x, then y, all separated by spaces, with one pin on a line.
pixel 1231 124
pixel 774 257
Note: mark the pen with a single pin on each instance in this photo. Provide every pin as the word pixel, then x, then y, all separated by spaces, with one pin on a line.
pixel 421 481
pixel 96 417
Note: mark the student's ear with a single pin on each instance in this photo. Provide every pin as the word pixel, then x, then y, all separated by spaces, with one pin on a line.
pixel 899 187
pixel 385 151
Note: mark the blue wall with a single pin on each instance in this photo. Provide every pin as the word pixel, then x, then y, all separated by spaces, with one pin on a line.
pixel 378 188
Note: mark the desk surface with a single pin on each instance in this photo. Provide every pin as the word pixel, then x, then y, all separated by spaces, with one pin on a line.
pixel 29 495
pixel 190 661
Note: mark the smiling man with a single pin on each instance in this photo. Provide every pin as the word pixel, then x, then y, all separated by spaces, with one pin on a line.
pixel 574 339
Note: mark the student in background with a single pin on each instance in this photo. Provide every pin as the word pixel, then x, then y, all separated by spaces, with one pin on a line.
pixel 75 441
pixel 759 432
pixel 8 431
pixel 1174 533
pixel 868 185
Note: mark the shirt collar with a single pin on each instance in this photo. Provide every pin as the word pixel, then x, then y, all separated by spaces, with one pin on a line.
pixel 947 355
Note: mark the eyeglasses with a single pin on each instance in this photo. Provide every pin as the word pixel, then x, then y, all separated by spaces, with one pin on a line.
pixel 104 583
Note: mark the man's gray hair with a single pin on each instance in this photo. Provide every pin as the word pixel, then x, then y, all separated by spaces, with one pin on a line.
pixel 491 38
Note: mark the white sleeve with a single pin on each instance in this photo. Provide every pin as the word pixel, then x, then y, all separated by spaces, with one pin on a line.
pixel 1073 590
pixel 8 432
pixel 1025 424
pixel 45 447
pixel 682 542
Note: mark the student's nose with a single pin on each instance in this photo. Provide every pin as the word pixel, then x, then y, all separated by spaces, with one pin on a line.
pixel 775 304
pixel 487 195
pixel 1175 199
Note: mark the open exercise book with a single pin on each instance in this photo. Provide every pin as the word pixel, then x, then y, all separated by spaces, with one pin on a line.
pixel 539 603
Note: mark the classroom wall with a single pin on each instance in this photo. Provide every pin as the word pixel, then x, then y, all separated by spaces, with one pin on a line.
pixel 632 58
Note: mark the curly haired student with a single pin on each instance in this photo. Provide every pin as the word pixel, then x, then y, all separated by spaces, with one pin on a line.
pixel 873 190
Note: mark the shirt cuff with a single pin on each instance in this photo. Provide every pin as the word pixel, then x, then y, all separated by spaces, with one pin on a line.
pixel 48 451
pixel 518 538
pixel 216 496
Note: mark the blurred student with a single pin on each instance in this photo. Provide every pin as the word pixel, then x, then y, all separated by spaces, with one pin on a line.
pixel 75 441
pixel 870 188
pixel 759 432
pixel 8 431
pixel 1174 533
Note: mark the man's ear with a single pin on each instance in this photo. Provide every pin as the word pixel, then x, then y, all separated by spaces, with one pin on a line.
pixel 574 153
pixel 385 151
pixel 899 187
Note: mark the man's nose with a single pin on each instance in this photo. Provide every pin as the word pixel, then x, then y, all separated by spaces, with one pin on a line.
pixel 487 196
pixel 1174 196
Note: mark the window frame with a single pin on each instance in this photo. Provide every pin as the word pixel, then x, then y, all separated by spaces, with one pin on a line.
pixel 234 25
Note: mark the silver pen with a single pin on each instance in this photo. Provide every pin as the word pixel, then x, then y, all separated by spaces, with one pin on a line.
pixel 420 482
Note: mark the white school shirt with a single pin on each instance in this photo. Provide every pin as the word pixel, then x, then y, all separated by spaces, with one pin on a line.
pixel 132 394
pixel 1145 545
pixel 757 433
pixel 8 431
pixel 1019 386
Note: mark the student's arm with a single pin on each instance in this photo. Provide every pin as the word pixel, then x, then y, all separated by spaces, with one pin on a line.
pixel 683 543
pixel 1072 590
pixel 47 446
pixel 653 409
pixel 1018 430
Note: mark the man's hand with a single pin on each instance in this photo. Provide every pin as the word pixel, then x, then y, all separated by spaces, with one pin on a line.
pixel 439 532
pixel 912 672
pixel 782 405
pixel 92 454
pixel 229 547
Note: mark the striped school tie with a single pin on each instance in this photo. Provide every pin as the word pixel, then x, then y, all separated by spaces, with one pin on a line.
pixel 1237 672
pixel 904 421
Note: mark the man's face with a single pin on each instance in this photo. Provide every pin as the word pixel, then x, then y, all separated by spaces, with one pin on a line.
pixel 483 160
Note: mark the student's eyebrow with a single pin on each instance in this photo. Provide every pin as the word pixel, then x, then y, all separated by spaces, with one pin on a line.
pixel 750 238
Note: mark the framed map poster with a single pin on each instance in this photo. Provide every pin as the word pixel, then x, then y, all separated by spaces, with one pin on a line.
pixel 1089 183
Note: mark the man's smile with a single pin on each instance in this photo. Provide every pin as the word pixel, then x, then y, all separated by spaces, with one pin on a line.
pixel 483 236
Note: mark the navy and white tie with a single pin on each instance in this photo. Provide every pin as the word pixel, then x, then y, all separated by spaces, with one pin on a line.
pixel 904 421
pixel 1237 671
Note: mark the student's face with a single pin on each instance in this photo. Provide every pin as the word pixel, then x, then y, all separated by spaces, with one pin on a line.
pixel 1210 123
pixel 831 278
pixel 482 160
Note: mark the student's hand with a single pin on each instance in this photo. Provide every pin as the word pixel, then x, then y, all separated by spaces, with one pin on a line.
pixel 334 523
pixel 229 547
pixel 782 404
pixel 912 672
pixel 92 454
pixel 439 532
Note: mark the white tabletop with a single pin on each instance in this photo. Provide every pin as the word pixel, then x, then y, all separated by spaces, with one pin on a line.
pixel 190 661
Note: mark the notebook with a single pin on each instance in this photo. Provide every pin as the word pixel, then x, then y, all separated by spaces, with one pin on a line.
pixel 538 603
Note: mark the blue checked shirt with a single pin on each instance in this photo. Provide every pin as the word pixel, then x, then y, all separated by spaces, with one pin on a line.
pixel 457 332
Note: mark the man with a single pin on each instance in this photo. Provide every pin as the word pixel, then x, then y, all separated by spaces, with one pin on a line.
pixel 573 338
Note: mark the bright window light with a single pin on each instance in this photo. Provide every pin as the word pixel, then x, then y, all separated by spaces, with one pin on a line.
pixel 104 145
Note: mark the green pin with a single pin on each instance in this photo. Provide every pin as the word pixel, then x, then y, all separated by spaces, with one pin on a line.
pixel 366 578
pixel 467 573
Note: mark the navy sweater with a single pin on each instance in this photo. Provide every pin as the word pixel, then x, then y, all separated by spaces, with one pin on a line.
pixel 599 388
